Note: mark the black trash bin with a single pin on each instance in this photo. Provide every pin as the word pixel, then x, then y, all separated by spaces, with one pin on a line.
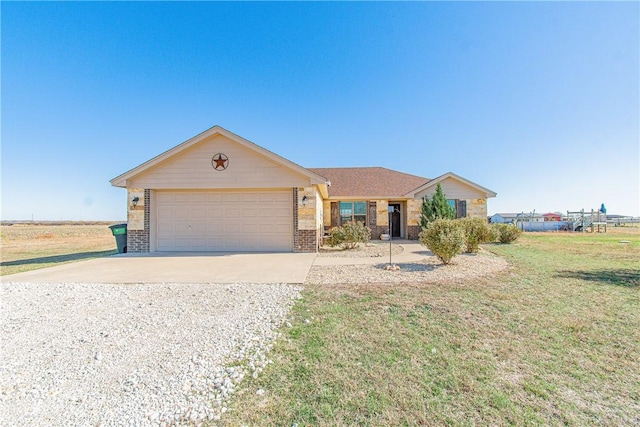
pixel 119 231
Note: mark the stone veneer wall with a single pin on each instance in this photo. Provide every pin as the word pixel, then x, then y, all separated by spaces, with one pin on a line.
pixel 139 240
pixel 303 240
pixel 477 208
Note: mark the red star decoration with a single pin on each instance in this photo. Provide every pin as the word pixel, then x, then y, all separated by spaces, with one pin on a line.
pixel 220 161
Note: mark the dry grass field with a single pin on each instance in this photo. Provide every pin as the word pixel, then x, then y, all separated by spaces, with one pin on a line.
pixel 29 247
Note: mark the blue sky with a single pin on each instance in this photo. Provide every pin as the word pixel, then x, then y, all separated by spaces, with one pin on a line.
pixel 539 102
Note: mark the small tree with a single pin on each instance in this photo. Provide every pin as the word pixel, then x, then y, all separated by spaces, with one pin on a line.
pixel 443 237
pixel 349 235
pixel 436 208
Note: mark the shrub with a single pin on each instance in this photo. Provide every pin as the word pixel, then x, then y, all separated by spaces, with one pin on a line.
pixel 443 237
pixel 507 233
pixel 477 231
pixel 436 208
pixel 349 235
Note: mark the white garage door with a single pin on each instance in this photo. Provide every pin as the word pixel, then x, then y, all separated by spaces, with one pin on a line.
pixel 221 221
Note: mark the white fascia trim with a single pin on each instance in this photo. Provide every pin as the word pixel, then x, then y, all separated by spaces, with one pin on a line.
pixel 441 178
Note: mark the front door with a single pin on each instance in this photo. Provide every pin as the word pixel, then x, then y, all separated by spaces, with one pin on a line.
pixel 395 220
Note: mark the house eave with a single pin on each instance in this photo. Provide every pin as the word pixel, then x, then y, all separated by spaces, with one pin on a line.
pixel 434 182
pixel 394 198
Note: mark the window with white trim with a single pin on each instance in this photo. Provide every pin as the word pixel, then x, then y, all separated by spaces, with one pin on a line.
pixel 353 211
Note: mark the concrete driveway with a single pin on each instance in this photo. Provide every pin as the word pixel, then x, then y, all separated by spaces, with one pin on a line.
pixel 177 268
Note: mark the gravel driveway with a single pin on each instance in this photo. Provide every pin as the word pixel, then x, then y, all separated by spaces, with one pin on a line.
pixel 152 354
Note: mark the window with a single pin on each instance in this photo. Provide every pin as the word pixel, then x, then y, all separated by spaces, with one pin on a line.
pixel 353 211
pixel 459 207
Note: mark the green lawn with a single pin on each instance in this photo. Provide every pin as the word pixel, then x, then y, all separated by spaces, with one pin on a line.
pixel 553 341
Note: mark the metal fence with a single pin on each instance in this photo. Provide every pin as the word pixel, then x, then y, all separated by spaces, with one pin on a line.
pixel 544 226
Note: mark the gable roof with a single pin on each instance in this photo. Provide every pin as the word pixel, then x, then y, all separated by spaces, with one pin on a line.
pixel 434 182
pixel 371 182
pixel 121 180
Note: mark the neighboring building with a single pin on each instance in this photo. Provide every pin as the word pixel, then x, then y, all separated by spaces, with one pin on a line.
pixel 552 217
pixel 498 219
pixel 504 218
pixel 220 192
pixel 511 218
pixel 530 217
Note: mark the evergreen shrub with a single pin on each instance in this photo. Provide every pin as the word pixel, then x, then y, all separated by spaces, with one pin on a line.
pixel 436 208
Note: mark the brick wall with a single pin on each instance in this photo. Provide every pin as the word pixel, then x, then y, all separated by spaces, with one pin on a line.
pixel 139 240
pixel 307 241
pixel 377 230
pixel 303 240
pixel 413 232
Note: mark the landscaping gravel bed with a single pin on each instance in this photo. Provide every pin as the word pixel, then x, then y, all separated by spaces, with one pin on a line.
pixel 373 249
pixel 427 270
pixel 113 354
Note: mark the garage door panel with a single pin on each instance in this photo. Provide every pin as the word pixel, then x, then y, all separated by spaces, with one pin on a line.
pixel 278 229
pixel 199 229
pixel 231 229
pixel 230 197
pixel 164 197
pixel 182 243
pixel 214 229
pixel 224 221
pixel 181 214
pixel 248 197
pixel 199 213
pixel 249 213
pixel 249 228
pixel 181 198
pixel 199 198
pixel 217 212
pixel 182 228
pixel 200 244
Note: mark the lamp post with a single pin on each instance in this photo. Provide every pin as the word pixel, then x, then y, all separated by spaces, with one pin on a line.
pixel 390 209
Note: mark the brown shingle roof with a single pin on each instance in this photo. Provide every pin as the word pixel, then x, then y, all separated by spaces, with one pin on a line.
pixel 369 182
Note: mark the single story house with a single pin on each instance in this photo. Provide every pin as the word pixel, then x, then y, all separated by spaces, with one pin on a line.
pixel 499 219
pixel 511 218
pixel 530 217
pixel 220 192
